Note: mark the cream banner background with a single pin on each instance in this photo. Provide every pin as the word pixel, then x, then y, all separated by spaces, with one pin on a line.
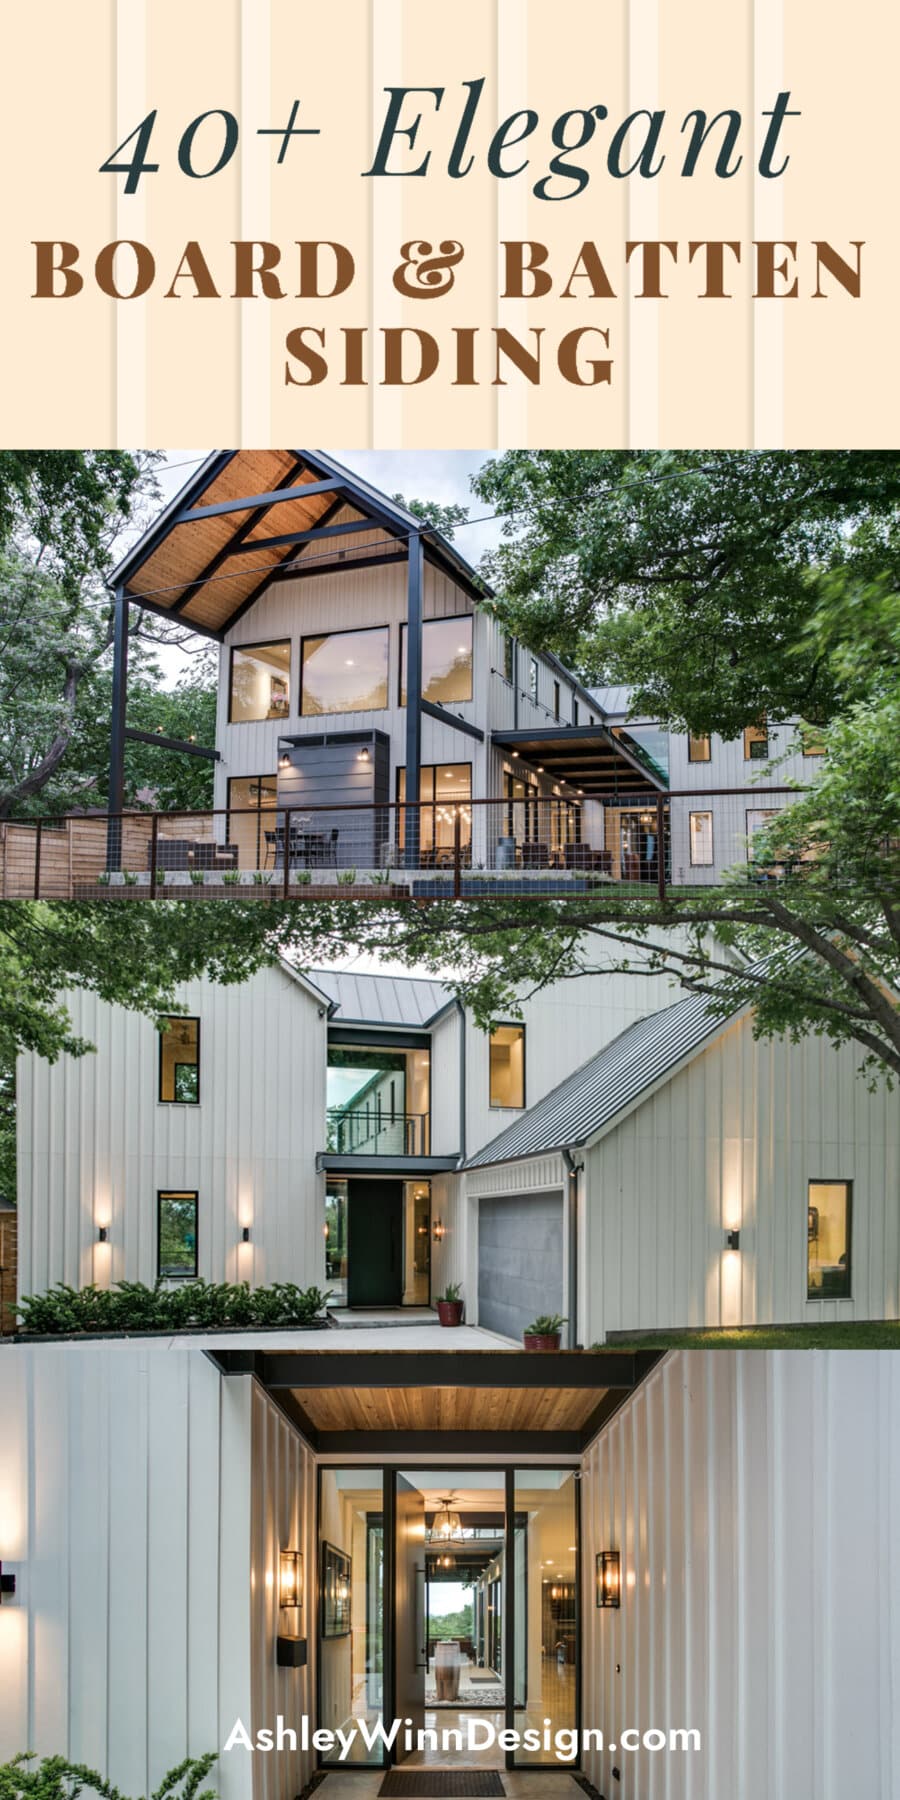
pixel 79 75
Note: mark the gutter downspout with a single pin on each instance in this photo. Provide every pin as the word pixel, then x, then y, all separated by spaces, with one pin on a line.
pixel 462 1079
pixel 575 1169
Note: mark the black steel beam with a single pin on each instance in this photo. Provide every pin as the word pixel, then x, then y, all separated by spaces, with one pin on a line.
pixel 567 1369
pixel 303 490
pixel 448 718
pixel 355 1164
pixel 115 804
pixel 167 743
pixel 298 572
pixel 414 587
pixel 226 550
pixel 304 537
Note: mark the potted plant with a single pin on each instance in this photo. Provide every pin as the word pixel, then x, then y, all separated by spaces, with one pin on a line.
pixel 545 1332
pixel 450 1305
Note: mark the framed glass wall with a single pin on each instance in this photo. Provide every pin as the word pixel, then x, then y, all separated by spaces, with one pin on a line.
pixel 444 789
pixel 414 1210
pixel 260 682
pixel 545 1609
pixel 352 1566
pixel 251 797
pixel 378 1100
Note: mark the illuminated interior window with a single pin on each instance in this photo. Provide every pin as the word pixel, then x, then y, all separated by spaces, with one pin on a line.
pixel 699 748
pixel 756 743
pixel 347 671
pixel 445 789
pixel 828 1220
pixel 179 1062
pixel 260 682
pixel 507 1065
pixel 446 660
pixel 701 839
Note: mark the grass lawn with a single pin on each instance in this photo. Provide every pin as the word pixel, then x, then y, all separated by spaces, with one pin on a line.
pixel 867 1334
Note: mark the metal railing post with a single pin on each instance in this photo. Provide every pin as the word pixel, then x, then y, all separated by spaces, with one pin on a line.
pixel 457 854
pixel 286 853
pixel 37 861
pixel 661 848
pixel 154 854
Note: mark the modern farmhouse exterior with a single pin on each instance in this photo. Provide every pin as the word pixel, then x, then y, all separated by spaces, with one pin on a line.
pixel 617 1156
pixel 328 601
pixel 702 1547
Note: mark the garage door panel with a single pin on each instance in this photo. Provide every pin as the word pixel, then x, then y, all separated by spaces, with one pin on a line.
pixel 520 1260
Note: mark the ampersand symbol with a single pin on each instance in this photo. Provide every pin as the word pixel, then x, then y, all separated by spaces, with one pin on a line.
pixel 430 274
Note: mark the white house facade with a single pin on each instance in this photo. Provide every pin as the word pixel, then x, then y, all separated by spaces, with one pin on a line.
pixel 615 1155
pixel 187 1551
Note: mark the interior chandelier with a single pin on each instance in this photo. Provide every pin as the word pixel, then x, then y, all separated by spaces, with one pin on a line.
pixel 446 1528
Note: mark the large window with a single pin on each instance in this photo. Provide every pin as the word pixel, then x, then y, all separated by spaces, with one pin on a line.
pixel 699 747
pixel 701 839
pixel 250 798
pixel 176 1252
pixel 445 789
pixel 756 743
pixel 446 660
pixel 508 658
pixel 828 1220
pixel 260 682
pixel 378 1100
pixel 345 672
pixel 179 1062
pixel 533 679
pixel 507 1063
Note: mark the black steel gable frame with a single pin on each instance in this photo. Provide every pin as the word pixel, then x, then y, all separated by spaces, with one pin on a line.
pixel 421 541
pixel 506 1474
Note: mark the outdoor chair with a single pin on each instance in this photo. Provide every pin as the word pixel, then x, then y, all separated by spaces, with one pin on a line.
pixel 535 856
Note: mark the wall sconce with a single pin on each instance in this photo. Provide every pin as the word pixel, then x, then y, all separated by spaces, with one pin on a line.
pixel 609 1578
pixel 103 1234
pixel 245 1234
pixel 438 1230
pixel 284 761
pixel 732 1240
pixel 7 1584
pixel 290 1578
pixel 364 755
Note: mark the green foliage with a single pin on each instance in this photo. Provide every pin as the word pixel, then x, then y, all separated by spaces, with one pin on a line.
pixel 444 518
pixel 452 1293
pixel 451 1625
pixel 55 1778
pixel 691 575
pixel 70 504
pixel 545 1325
pixel 132 1306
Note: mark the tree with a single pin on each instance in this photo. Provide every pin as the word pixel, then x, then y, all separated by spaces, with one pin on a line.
pixel 444 518
pixel 691 575
pixel 61 522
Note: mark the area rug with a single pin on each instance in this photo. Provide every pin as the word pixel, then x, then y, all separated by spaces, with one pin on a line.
pixel 441 1784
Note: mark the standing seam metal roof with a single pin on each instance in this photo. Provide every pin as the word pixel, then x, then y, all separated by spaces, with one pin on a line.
pixel 381 999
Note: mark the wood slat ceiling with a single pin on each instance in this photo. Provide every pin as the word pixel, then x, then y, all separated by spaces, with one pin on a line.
pixel 448 1408
pixel 189 549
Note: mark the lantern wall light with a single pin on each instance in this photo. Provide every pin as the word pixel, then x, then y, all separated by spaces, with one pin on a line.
pixel 609 1578
pixel 290 1578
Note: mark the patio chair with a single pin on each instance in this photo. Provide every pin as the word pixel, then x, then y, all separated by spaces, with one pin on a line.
pixel 535 856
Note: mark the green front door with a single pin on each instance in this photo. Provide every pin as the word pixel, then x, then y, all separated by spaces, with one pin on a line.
pixel 375 1243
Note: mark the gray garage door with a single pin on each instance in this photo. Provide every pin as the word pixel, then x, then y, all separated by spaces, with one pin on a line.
pixel 520 1260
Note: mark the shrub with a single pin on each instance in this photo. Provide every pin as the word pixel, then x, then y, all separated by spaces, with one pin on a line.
pixel 132 1306
pixel 56 1779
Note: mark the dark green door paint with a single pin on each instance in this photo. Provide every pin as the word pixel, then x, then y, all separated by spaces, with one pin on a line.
pixel 375 1243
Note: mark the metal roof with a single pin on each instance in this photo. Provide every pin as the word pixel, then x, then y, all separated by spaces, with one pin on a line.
pixel 381 999
pixel 615 701
pixel 592 1097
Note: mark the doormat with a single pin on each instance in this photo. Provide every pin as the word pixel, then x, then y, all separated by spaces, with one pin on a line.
pixel 441 1784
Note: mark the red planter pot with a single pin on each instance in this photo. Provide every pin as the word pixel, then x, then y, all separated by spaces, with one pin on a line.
pixel 450 1312
pixel 535 1340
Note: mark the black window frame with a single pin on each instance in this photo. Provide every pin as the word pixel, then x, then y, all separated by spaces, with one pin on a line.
pixel 509 658
pixel 557 701
pixel 183 1019
pixel 700 737
pixel 442 619
pixel 346 631
pixel 817 1296
pixel 260 644
pixel 509 1025
pixel 756 749
pixel 534 681
pixel 164 1194
pixel 702 812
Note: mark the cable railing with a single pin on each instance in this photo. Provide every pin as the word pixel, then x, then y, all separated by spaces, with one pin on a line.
pixel 450 847
pixel 371 1129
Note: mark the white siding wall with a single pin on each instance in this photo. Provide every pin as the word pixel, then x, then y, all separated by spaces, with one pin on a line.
pixel 728 768
pixel 750 1497
pixel 95 1145
pixel 126 1518
pixel 283 1514
pixel 732 1141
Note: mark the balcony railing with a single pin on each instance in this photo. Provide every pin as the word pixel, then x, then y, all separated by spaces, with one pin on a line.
pixel 455 848
pixel 371 1131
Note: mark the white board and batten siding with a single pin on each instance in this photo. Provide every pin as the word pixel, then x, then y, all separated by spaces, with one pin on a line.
pixel 732 1141
pixel 749 1496
pixel 129 1535
pixel 282 1517
pixel 95 1143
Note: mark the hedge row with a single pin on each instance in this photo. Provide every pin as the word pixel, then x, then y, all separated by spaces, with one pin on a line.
pixel 131 1306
